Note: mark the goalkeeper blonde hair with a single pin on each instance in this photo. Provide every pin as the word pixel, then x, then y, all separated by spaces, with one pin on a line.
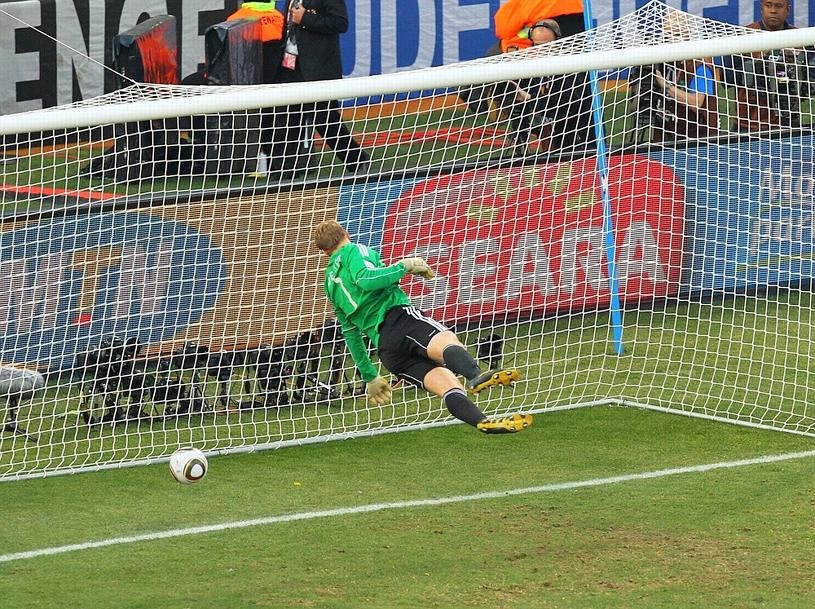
pixel 328 235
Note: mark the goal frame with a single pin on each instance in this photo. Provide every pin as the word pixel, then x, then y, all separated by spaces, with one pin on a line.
pixel 214 100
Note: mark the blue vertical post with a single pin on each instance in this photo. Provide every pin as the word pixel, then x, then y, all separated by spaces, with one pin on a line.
pixel 608 220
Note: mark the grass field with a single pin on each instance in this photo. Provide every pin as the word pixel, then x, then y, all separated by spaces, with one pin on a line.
pixel 591 508
pixel 573 535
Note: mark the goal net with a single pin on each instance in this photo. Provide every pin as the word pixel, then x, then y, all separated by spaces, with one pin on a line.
pixel 624 215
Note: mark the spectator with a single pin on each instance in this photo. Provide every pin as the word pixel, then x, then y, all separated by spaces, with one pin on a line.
pixel 515 17
pixel 311 51
pixel 557 109
pixel 768 85
pixel 562 106
pixel 690 108
pixel 518 99
pixel 686 105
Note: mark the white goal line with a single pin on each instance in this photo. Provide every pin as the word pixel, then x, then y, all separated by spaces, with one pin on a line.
pixel 397 505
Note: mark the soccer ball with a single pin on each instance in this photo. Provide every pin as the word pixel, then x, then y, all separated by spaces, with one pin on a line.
pixel 188 465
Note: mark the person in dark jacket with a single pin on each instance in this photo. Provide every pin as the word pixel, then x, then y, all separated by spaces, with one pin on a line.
pixel 311 52
pixel 557 109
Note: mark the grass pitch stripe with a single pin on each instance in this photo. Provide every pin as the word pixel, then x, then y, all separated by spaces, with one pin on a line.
pixel 378 507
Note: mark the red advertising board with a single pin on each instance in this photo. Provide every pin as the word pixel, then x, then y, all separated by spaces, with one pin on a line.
pixel 529 240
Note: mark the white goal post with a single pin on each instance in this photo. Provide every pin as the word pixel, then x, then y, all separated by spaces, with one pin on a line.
pixel 157 269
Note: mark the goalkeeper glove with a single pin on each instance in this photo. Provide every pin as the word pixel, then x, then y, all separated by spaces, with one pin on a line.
pixel 378 391
pixel 417 266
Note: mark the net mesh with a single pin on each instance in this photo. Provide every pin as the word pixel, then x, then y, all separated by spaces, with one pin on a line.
pixel 159 287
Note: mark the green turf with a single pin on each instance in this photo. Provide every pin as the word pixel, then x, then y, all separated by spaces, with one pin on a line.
pixel 727 538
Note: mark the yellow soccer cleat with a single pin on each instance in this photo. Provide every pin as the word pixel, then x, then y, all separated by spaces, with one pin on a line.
pixel 511 424
pixel 491 378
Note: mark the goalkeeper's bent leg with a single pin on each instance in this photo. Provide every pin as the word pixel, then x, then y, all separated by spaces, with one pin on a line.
pixel 444 383
pixel 462 408
pixel 456 358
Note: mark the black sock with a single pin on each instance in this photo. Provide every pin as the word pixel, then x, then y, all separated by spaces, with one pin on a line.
pixel 459 360
pixel 462 408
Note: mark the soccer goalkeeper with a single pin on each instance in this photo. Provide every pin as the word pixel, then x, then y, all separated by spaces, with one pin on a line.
pixel 368 301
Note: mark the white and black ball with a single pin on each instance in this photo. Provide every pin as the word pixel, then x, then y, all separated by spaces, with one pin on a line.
pixel 188 465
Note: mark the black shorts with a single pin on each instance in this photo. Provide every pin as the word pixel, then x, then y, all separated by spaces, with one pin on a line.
pixel 404 336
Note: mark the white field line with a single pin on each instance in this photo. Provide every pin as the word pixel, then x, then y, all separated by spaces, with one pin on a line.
pixel 396 505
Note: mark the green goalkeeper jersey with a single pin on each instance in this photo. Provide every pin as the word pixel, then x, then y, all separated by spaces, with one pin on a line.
pixel 362 290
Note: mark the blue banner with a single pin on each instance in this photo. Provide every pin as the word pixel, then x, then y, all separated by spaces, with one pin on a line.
pixel 399 35
pixel 749 215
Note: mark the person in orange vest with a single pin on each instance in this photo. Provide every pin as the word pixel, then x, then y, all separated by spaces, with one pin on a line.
pixel 271 19
pixel 515 18
pixel 271 32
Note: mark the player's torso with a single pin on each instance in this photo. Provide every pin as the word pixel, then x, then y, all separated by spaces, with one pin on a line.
pixel 365 308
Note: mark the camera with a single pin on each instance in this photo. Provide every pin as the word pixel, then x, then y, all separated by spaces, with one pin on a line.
pixel 111 375
pixel 304 351
pixel 116 384
pixel 296 370
pixel 646 100
pixel 490 351
pixel 272 370
pixel 171 389
pixel 778 79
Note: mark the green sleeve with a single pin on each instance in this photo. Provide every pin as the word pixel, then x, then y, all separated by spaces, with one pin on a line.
pixel 356 346
pixel 364 267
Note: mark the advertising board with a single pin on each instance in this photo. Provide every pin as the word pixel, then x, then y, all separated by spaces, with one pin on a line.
pixel 208 272
pixel 527 240
pixel 749 212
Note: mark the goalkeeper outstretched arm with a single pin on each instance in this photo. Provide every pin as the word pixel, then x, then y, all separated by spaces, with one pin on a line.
pixel 377 388
pixel 371 275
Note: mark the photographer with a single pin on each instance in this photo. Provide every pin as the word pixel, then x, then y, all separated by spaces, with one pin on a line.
pixel 556 110
pixel 523 101
pixel 677 100
pixel 690 103
pixel 769 85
